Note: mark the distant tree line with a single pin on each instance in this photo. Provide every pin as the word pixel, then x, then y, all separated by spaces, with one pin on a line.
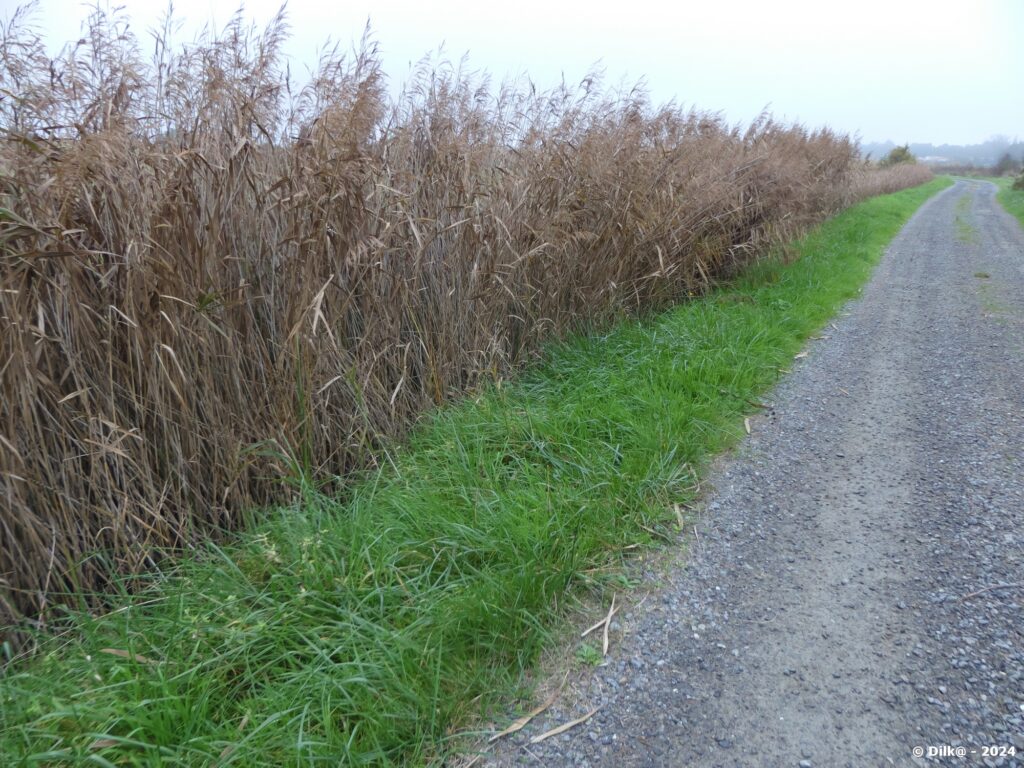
pixel 1007 164
pixel 985 155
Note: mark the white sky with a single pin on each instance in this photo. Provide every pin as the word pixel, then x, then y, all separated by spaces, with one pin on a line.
pixel 908 70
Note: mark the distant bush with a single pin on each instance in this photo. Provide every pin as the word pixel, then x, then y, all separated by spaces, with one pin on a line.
pixel 1006 165
pixel 898 156
pixel 213 281
pixel 1018 183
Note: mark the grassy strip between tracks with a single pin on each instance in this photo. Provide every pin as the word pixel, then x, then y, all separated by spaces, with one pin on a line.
pixel 1011 199
pixel 372 631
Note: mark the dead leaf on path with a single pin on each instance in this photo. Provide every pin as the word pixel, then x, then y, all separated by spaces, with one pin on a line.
pixel 603 621
pixel 678 509
pixel 799 355
pixel 746 425
pixel 565 727
pixel 1013 585
pixel 519 724
pixel 590 629
pixel 607 625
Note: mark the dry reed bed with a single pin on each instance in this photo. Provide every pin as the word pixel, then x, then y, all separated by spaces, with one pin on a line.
pixel 211 280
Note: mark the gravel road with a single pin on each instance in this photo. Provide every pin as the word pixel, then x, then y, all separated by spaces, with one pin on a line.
pixel 830 610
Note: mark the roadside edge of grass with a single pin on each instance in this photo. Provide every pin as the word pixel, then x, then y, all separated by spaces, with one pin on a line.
pixel 372 631
pixel 1011 199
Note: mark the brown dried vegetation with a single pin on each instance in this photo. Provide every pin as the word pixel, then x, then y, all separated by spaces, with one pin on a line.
pixel 212 280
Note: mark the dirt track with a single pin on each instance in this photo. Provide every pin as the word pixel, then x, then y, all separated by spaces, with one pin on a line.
pixel 828 612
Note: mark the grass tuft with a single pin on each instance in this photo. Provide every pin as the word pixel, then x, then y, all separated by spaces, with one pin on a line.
pixel 372 631
pixel 1011 199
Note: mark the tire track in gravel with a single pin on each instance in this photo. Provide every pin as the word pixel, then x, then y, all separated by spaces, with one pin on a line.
pixel 819 619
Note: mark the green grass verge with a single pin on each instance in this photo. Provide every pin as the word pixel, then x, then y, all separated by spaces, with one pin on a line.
pixel 965 230
pixel 369 632
pixel 1011 199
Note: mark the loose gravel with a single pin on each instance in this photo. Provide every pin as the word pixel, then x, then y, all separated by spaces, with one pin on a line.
pixel 829 609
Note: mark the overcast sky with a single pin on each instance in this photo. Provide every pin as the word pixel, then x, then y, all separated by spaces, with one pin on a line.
pixel 907 70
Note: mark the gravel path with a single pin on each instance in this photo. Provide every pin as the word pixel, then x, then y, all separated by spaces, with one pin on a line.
pixel 824 614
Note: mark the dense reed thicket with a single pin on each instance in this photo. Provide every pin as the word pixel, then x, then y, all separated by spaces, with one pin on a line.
pixel 212 279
